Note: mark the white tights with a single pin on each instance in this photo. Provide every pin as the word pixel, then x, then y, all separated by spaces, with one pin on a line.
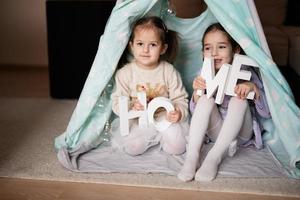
pixel 207 120
pixel 171 140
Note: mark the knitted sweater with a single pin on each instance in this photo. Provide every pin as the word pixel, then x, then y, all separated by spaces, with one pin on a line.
pixel 162 81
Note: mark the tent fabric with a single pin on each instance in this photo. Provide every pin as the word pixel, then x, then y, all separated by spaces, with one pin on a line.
pixel 88 127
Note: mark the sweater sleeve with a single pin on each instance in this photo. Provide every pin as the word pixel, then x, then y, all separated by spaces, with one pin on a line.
pixel 177 92
pixel 261 104
pixel 192 105
pixel 121 88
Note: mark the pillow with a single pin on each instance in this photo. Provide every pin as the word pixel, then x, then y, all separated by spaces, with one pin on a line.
pixel 272 12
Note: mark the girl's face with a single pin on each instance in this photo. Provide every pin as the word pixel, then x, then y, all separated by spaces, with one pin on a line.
pixel 147 47
pixel 216 44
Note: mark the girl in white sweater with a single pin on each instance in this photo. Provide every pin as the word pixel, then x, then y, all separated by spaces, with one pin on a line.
pixel 151 45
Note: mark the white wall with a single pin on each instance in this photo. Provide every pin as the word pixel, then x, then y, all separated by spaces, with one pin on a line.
pixel 23 35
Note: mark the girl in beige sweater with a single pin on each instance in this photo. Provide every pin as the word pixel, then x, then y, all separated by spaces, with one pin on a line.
pixel 150 44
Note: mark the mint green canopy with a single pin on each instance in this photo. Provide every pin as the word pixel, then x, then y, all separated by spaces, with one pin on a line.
pixel 87 128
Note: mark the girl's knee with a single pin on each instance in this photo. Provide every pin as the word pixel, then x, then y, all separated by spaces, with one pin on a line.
pixel 135 147
pixel 204 102
pixel 238 100
pixel 207 101
pixel 174 149
pixel 173 141
pixel 237 103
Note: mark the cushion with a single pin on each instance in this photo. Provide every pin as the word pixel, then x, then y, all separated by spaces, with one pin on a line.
pixel 291 31
pixel 294 58
pixel 271 12
pixel 278 43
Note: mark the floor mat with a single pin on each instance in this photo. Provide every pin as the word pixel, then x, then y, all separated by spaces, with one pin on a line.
pixel 28 127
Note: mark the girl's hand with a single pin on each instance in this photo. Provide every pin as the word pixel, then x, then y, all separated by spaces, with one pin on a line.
pixel 242 90
pixel 136 105
pixel 199 83
pixel 174 116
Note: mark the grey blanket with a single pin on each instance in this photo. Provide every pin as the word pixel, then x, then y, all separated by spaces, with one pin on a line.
pixel 247 162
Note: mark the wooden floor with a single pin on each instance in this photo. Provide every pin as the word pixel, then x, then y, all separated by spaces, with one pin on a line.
pixel 33 82
pixel 13 189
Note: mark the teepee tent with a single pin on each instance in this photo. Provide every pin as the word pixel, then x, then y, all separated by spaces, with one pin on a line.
pixel 88 128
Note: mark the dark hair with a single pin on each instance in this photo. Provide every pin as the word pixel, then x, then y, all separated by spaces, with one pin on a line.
pixel 167 36
pixel 219 27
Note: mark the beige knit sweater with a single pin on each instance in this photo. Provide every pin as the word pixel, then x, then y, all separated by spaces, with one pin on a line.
pixel 162 81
